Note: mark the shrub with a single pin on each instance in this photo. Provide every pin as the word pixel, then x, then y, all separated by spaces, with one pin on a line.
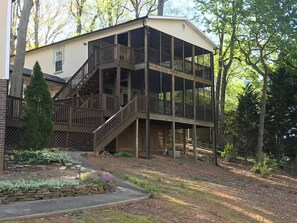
pixel 266 166
pixel 36 117
pixel 123 154
pixel 42 157
pixel 229 153
pixel 102 178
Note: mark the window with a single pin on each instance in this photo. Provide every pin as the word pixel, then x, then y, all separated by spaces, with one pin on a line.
pixel 58 60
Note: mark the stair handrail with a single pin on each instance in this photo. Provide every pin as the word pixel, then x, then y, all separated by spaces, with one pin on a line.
pixel 116 121
pixel 68 83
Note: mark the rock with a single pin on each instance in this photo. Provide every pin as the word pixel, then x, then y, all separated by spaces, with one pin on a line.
pixel 62 168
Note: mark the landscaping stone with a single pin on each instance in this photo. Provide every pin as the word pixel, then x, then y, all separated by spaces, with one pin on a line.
pixel 50 193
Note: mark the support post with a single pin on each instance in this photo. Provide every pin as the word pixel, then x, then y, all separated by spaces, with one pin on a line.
pixel 136 138
pixel 129 86
pixel 118 88
pixel 173 140
pixel 194 140
pixel 146 78
pixel 185 142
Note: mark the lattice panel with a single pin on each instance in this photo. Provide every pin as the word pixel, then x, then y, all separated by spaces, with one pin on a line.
pixel 13 137
pixel 59 140
pixel 79 140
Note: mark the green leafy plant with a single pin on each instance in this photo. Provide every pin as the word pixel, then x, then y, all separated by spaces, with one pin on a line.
pixel 123 154
pixel 149 187
pixel 229 153
pixel 42 157
pixel 37 114
pixel 266 166
pixel 35 183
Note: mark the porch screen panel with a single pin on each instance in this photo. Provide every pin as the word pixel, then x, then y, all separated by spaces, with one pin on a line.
pixel 178 54
pixel 200 101
pixel 188 54
pixel 155 100
pixel 189 113
pixel 137 43
pixel 165 50
pixel 154 46
pixel 208 103
pixel 166 94
pixel 179 96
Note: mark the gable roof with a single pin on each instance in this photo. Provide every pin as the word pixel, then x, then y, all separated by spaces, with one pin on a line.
pixel 185 20
pixel 47 77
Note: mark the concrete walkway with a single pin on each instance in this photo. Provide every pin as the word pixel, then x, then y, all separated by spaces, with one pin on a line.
pixel 126 192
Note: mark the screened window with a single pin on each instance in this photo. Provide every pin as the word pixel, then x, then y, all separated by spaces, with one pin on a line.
pixel 58 60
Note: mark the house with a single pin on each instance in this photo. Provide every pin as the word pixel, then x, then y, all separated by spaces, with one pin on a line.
pixel 137 86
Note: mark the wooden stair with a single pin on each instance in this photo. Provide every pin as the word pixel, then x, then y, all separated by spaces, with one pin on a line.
pixel 84 73
pixel 116 124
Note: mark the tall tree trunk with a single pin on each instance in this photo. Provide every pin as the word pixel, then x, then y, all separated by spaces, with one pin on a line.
pixel 262 119
pixel 36 23
pixel 221 139
pixel 161 7
pixel 17 74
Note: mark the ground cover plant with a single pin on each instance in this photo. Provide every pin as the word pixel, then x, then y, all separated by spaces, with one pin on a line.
pixel 42 157
pixel 34 183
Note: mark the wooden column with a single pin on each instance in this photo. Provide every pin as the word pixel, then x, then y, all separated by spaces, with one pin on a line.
pixel 185 142
pixel 129 86
pixel 172 53
pixel 146 89
pixel 194 142
pixel 118 88
pixel 173 140
pixel 136 138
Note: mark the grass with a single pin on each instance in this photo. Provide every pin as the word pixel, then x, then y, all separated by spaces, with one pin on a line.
pixel 146 185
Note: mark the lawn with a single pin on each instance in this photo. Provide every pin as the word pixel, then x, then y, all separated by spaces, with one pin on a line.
pixel 185 191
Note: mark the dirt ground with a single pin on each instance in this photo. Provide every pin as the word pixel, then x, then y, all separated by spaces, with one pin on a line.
pixel 191 191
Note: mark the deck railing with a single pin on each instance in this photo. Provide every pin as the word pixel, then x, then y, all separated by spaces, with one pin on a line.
pixel 63 114
pixel 137 104
pixel 13 108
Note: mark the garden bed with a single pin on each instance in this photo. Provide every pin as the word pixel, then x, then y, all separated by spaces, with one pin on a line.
pixel 41 175
pixel 45 191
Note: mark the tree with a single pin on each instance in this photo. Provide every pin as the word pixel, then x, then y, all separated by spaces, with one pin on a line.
pixel 17 74
pixel 49 21
pixel 37 122
pixel 281 115
pixel 142 7
pixel 265 28
pixel 161 7
pixel 246 121
pixel 221 18
pixel 77 8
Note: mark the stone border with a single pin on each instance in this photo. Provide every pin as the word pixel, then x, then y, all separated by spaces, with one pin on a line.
pixel 46 193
